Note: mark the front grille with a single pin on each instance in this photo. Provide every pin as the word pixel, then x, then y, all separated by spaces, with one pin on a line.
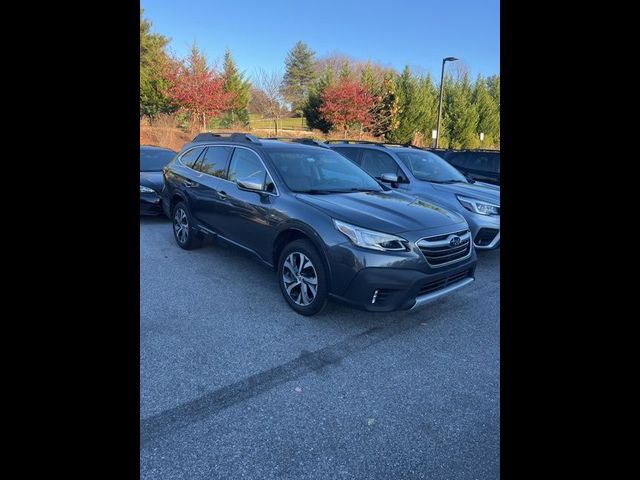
pixel 442 250
pixel 439 284
pixel 485 236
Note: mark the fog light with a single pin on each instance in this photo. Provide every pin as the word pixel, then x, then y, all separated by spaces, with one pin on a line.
pixel 375 295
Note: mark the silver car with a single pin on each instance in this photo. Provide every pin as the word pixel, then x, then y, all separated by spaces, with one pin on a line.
pixel 424 174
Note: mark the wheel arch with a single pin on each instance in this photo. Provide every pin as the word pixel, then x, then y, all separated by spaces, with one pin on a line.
pixel 295 231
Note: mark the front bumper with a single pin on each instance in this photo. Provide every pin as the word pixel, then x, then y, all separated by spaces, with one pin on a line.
pixel 485 230
pixel 380 289
pixel 150 204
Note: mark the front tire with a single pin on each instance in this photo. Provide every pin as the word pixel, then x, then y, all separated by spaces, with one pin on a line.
pixel 302 278
pixel 183 227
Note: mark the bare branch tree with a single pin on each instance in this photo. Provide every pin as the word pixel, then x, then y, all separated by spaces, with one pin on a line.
pixel 458 70
pixel 270 102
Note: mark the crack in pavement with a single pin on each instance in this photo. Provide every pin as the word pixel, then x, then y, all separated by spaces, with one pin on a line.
pixel 156 426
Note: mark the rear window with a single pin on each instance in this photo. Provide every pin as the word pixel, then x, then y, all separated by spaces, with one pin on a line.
pixel 485 162
pixel 481 161
pixel 191 156
pixel 459 159
pixel 214 161
pixel 351 153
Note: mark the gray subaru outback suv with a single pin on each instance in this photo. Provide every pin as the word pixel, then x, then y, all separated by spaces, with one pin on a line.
pixel 424 174
pixel 326 227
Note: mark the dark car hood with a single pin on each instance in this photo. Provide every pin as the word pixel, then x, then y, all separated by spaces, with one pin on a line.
pixel 481 192
pixel 152 180
pixel 386 211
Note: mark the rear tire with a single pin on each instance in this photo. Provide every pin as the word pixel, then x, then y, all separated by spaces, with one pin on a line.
pixel 303 278
pixel 183 227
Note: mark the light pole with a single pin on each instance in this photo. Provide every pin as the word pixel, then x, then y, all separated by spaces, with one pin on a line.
pixel 444 60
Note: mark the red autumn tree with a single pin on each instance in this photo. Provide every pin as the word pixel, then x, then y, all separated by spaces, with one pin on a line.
pixel 345 104
pixel 197 89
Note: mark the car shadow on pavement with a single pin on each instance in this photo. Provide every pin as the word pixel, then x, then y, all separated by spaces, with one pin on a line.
pixel 153 219
pixel 218 254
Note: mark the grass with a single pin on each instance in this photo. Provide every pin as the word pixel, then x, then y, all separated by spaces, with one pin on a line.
pixel 166 131
pixel 295 123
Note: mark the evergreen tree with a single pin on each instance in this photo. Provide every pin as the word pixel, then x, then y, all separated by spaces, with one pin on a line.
pixel 460 114
pixel 236 84
pixel 428 96
pixel 346 74
pixel 413 107
pixel 386 107
pixel 368 79
pixel 488 113
pixel 493 84
pixel 153 60
pixel 299 76
pixel 311 110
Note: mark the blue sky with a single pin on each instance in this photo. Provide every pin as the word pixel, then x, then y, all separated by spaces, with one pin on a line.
pixel 394 33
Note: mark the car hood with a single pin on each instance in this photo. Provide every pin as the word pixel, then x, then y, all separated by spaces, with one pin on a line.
pixel 386 211
pixel 152 180
pixel 488 193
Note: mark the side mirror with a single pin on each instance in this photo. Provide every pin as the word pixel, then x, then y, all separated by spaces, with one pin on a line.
pixel 389 177
pixel 250 184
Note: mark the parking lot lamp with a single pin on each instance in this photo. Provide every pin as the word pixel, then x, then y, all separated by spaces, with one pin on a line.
pixel 444 60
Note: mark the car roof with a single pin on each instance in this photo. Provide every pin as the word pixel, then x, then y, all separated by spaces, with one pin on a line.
pixel 395 147
pixel 156 147
pixel 256 143
pixel 268 144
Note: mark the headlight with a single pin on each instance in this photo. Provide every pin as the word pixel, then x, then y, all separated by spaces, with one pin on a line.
pixel 478 206
pixel 371 239
pixel 144 189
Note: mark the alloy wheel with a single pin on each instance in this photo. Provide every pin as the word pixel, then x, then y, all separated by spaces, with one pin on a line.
pixel 300 278
pixel 181 225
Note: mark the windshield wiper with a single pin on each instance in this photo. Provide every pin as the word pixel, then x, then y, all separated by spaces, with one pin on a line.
pixel 316 191
pixel 362 190
pixel 446 181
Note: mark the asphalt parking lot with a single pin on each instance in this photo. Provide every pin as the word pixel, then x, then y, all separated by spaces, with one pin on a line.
pixel 235 385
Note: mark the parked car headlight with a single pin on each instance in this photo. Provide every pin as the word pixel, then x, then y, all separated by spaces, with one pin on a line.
pixel 478 206
pixel 370 238
pixel 144 189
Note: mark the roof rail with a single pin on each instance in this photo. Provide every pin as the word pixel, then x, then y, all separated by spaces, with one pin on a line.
pixel 221 137
pixel 303 140
pixel 410 145
pixel 382 144
pixel 474 150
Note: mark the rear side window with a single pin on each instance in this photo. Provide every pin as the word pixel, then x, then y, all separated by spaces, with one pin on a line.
pixel 459 160
pixel 494 163
pixel 246 165
pixel 214 161
pixel 191 156
pixel 375 163
pixel 483 162
pixel 351 153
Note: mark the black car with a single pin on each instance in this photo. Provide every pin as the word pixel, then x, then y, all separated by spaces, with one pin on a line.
pixel 152 160
pixel 480 165
pixel 327 227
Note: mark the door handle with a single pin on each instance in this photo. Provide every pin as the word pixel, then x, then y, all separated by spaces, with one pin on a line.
pixel 222 195
pixel 188 183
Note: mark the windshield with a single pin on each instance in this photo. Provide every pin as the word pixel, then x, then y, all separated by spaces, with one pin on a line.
pixel 430 167
pixel 154 160
pixel 319 171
